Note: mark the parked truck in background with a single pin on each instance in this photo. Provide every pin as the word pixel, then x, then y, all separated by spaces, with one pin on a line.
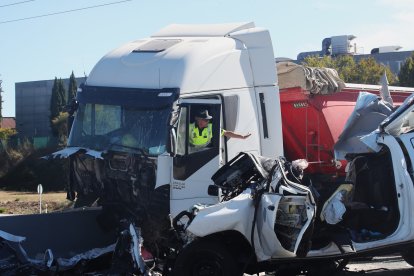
pixel 130 155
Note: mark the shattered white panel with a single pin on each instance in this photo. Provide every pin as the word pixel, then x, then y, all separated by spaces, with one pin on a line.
pixel 230 215
pixel 11 237
pixel 370 140
pixel 334 210
pixel 136 245
pixel 66 152
pixel 88 255
pixel 48 258
pixel 384 91
pixel 368 113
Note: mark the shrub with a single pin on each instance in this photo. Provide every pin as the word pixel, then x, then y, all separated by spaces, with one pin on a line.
pixel 26 169
pixel 11 157
pixel 5 133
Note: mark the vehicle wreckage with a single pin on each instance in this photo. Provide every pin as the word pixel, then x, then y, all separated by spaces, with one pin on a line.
pixel 148 203
pixel 269 218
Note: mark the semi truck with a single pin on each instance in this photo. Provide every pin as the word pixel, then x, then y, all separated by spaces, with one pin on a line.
pixel 141 187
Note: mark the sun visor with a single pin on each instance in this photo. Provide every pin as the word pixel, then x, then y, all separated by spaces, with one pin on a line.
pixel 137 97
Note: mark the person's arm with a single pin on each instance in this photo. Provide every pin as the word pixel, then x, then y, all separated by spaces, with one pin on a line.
pixel 231 134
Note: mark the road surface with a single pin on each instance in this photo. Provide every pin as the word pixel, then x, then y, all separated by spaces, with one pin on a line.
pixel 392 265
pixel 380 266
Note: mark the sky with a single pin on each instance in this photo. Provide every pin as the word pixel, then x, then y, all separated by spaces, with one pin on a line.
pixel 44 39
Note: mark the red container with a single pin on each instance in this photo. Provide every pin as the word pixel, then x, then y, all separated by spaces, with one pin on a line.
pixel 312 123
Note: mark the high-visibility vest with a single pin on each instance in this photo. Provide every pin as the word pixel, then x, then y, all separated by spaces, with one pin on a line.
pixel 200 139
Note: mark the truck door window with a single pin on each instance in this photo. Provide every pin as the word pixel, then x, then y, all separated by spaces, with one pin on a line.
pixel 182 131
pixel 195 145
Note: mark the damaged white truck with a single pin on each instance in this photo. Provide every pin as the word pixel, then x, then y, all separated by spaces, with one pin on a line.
pixel 219 209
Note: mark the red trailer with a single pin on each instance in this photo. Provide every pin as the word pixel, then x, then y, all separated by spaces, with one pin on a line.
pixel 312 122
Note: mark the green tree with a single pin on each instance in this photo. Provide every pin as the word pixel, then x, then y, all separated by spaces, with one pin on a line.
pixel 61 96
pixel 406 75
pixel 370 72
pixel 58 99
pixel 54 106
pixel 347 68
pixel 57 104
pixel 73 87
pixel 60 123
pixel 316 61
pixel 366 71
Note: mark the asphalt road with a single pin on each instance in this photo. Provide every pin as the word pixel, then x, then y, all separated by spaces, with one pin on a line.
pixel 393 265
pixel 380 266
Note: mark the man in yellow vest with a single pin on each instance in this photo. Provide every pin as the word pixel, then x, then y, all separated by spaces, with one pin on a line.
pixel 201 132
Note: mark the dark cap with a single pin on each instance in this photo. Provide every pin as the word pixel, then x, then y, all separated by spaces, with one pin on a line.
pixel 203 114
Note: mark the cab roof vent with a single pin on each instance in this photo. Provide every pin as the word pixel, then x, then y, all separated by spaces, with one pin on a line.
pixel 156 45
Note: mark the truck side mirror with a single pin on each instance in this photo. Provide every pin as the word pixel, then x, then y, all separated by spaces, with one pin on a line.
pixel 213 190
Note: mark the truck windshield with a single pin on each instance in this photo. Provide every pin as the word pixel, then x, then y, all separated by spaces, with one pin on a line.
pixel 114 127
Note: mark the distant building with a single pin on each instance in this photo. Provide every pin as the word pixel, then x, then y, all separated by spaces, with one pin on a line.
pixel 393 59
pixel 33 107
pixel 7 122
pixel 341 45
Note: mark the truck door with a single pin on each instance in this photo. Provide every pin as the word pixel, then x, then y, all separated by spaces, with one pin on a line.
pixel 193 165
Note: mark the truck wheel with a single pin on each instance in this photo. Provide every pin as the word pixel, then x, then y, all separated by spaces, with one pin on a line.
pixel 204 258
pixel 408 256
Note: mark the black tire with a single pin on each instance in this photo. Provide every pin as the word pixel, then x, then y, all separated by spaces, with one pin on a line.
pixel 203 258
pixel 408 256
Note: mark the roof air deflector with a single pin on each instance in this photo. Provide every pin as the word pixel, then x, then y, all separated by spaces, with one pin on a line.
pixel 156 45
pixel 202 30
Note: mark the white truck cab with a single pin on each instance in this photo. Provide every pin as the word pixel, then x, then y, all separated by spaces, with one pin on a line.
pixel 128 100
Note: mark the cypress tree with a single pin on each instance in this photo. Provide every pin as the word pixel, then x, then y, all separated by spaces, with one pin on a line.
pixel 73 86
pixel 58 116
pixel 54 106
pixel 61 95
